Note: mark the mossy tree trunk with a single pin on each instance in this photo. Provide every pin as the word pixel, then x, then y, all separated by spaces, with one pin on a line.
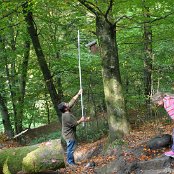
pixel 106 34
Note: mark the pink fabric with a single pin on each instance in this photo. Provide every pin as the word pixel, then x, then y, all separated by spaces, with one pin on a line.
pixel 169 105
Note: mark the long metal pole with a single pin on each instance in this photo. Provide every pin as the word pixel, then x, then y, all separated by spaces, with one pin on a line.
pixel 80 74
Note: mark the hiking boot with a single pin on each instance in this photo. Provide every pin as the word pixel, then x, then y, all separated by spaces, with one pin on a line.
pixel 170 153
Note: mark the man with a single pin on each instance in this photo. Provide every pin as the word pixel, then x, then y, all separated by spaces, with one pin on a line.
pixel 69 123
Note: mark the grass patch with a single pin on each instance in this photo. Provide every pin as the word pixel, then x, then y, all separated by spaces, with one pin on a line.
pixel 44 138
pixel 92 131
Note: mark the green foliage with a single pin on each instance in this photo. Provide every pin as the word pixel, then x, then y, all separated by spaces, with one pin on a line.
pixel 44 138
pixel 117 143
pixel 57 23
pixel 92 131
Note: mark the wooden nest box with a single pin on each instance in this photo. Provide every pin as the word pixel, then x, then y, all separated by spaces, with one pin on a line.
pixel 92 46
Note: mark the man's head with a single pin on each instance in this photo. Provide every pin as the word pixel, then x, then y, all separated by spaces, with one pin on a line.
pixel 63 107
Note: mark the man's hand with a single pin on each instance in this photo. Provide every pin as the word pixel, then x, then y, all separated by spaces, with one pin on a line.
pixel 78 94
pixel 83 119
pixel 80 91
pixel 87 119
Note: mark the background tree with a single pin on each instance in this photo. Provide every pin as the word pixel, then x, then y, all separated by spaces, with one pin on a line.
pixel 41 58
pixel 148 56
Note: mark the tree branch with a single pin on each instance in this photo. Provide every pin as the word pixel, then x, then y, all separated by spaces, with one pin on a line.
pixel 109 8
pixel 90 6
pixel 150 21
pixel 162 17
pixel 13 11
pixel 9 26
pixel 122 17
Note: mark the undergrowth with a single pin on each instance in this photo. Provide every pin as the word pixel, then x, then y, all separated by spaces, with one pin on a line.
pixel 89 133
pixel 44 138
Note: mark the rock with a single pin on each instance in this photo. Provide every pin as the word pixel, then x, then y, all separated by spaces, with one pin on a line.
pixel 161 165
pixel 33 159
pixel 160 142
pixel 88 153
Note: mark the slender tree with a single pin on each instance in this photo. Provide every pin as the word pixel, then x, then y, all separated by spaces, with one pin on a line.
pixel 148 55
pixel 5 117
pixel 22 87
pixel 32 30
pixel 3 104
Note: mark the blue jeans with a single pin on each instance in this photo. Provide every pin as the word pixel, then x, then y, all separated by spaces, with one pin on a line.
pixel 70 151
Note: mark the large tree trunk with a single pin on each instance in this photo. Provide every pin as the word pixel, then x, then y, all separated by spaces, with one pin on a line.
pixel 33 159
pixel 148 57
pixel 106 33
pixel 41 58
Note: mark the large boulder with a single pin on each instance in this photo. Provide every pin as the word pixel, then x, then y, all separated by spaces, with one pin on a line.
pixel 32 159
pixel 160 141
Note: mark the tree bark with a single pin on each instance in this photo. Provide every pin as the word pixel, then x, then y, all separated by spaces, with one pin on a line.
pixel 41 58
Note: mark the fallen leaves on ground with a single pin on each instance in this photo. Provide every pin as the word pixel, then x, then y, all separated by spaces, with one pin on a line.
pixel 137 137
pixel 5 143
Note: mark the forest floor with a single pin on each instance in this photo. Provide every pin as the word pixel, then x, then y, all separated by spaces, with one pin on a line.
pixel 137 137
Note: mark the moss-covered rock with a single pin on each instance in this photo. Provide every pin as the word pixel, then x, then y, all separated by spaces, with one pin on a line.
pixel 33 159
pixel 49 156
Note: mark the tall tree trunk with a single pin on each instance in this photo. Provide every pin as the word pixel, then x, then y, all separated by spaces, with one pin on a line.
pixel 22 86
pixel 3 106
pixel 106 33
pixel 12 81
pixel 41 58
pixel 59 79
pixel 5 118
pixel 148 57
